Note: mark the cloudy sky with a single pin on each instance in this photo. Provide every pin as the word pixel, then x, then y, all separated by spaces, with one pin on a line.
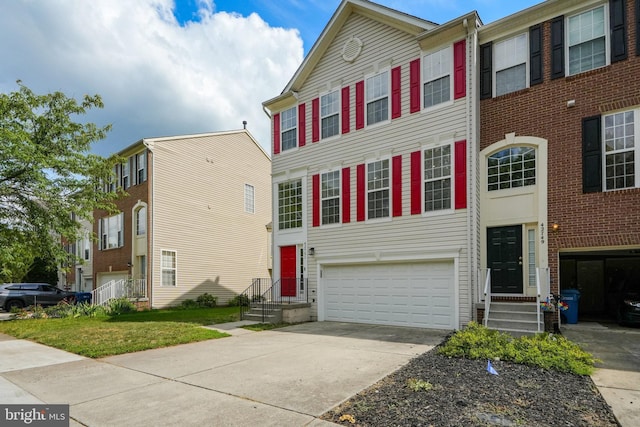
pixel 172 67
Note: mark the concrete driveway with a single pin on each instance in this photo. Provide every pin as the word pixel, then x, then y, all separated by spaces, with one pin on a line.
pixel 283 377
pixel 618 373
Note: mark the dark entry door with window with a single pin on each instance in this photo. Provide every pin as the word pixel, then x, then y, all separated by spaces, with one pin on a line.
pixel 504 258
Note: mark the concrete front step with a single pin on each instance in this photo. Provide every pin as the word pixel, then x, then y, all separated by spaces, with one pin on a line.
pixel 514 317
pixel 274 317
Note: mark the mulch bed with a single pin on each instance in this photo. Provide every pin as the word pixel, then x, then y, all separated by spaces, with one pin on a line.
pixel 461 392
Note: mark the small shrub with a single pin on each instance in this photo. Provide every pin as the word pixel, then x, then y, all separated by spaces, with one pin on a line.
pixel 241 300
pixel 419 385
pixel 120 306
pixel 547 351
pixel 207 300
pixel 188 303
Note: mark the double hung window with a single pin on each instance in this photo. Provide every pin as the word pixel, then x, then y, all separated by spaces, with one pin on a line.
pixel 587 40
pixel 436 72
pixel 620 150
pixel 111 232
pixel 330 197
pixel 169 267
pixel 510 61
pixel 329 114
pixel 288 128
pixel 378 189
pixel 437 178
pixel 377 98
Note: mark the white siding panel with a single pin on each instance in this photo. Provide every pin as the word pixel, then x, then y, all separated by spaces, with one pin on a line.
pixel 421 236
pixel 199 212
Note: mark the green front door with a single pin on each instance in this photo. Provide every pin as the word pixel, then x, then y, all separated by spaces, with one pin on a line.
pixel 504 258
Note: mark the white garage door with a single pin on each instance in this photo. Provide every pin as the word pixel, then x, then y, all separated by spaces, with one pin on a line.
pixel 107 277
pixel 411 294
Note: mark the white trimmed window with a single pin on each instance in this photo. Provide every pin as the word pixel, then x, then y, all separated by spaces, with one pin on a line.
pixel 169 266
pixel 141 167
pixel 377 98
pixel 111 232
pixel 290 204
pixel 141 221
pixel 126 175
pixel 289 128
pixel 437 178
pixel 330 197
pixel 510 60
pixel 587 40
pixel 249 198
pixel 436 75
pixel 620 150
pixel 330 114
pixel 378 189
pixel 510 168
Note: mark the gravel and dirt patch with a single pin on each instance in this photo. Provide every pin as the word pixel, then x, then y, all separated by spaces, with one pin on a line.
pixel 435 390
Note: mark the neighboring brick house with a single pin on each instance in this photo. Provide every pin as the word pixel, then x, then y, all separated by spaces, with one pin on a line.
pixel 560 141
pixel 194 219
pixel 374 194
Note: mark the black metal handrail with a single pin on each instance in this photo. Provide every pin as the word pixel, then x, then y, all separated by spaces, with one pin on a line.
pixel 267 295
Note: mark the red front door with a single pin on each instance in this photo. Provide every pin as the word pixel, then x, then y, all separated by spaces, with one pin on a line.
pixel 288 271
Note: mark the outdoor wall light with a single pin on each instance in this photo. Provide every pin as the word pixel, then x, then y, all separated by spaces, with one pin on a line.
pixel 312 251
pixel 555 226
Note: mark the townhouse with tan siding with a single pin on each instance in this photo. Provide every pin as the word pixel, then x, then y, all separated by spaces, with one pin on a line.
pixel 194 219
pixel 374 151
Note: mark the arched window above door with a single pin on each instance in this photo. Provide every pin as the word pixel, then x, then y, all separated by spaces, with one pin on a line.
pixel 511 168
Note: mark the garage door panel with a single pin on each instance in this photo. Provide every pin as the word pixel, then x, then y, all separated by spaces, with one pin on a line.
pixel 412 294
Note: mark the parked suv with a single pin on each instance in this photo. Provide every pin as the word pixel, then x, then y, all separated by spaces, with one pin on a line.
pixel 18 295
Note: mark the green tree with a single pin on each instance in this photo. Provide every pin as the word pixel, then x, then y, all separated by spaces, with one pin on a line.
pixel 47 175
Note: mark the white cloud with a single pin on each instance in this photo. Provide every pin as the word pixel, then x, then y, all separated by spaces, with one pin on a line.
pixel 156 78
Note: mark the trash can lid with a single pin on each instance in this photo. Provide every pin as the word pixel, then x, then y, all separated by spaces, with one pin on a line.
pixel 570 292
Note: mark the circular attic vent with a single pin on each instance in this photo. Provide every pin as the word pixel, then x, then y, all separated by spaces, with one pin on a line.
pixel 352 49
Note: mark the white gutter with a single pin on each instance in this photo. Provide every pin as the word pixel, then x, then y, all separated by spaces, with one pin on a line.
pixel 151 207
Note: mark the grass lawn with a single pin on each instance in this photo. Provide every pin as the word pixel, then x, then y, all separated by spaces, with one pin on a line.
pixel 110 335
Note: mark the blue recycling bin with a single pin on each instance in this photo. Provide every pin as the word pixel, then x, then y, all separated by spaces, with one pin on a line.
pixel 572 298
pixel 83 297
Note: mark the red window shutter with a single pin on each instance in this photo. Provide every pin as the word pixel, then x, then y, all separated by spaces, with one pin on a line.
pixel 396 179
pixel 360 192
pixel 460 165
pixel 346 119
pixel 276 133
pixel 360 104
pixel 414 85
pixel 315 120
pixel 459 70
pixel 315 206
pixel 346 195
pixel 302 125
pixel 416 183
pixel 396 98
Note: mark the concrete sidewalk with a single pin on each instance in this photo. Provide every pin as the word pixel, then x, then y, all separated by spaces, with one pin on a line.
pixel 284 377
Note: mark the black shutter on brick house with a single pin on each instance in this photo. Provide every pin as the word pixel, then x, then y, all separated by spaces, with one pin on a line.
pixel 557 47
pixel 618 22
pixel 486 70
pixel 591 154
pixel 535 55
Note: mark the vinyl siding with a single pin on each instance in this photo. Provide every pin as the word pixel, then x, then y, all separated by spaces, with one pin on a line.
pixel 413 235
pixel 198 188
